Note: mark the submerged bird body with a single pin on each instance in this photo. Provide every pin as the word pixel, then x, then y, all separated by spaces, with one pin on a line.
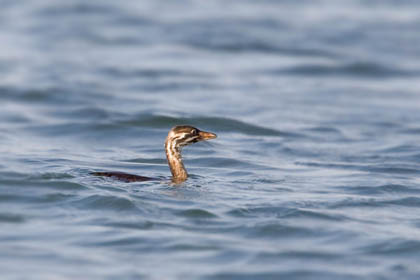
pixel 178 137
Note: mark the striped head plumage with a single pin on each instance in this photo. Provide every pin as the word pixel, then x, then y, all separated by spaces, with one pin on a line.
pixel 183 135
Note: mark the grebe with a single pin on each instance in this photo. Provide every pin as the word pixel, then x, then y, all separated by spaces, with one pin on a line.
pixel 178 137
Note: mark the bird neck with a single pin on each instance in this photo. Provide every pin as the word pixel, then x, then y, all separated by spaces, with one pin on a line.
pixel 173 155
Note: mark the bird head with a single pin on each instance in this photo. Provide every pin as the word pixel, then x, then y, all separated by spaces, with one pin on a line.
pixel 183 135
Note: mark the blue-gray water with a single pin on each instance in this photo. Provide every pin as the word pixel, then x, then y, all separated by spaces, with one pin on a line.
pixel 314 174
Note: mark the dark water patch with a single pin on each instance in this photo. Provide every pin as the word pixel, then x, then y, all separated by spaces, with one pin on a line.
pixel 376 202
pixel 393 170
pixel 151 73
pixel 35 198
pixel 235 174
pixel 301 274
pixel 117 40
pixel 56 197
pixel 135 242
pixel 158 161
pixel 377 168
pixel 52 95
pixel 324 129
pixel 224 162
pixel 105 202
pixel 87 114
pixel 400 149
pixel 313 215
pixel 12 175
pixel 270 181
pixel 296 254
pixel 14 117
pixel 386 124
pixel 393 247
pixel 163 86
pixel 253 212
pixel 9 197
pixel 412 201
pixel 284 213
pixel 255 46
pixel 278 231
pixel 185 247
pixel 356 203
pixel 77 9
pixel 38 95
pixel 31 184
pixel 51 176
pixel 358 69
pixel 411 131
pixel 59 130
pixel 382 189
pixel 11 218
pixel 325 133
pixel 127 20
pixel 207 35
pixel 196 214
pixel 87 130
pixel 137 225
pixel 331 165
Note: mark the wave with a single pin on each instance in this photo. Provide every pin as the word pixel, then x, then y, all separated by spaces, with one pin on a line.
pixel 360 69
pixel 105 202
pixel 216 123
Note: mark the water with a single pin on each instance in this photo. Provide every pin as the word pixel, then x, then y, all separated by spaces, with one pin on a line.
pixel 314 174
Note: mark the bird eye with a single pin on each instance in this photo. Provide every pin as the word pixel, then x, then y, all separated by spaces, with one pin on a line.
pixel 194 132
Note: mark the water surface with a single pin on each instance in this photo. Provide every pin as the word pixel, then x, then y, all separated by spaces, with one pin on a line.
pixel 314 174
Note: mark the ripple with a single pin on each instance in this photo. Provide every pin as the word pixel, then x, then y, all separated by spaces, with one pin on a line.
pixel 382 189
pixel 392 169
pixel 284 213
pixel 314 215
pixel 51 176
pixel 289 274
pixel 261 47
pixel 248 212
pixel 228 163
pixel 400 149
pixel 140 225
pixel 298 254
pixel 196 214
pixel 118 242
pixel 413 131
pixel 104 202
pixel 11 218
pixel 185 247
pixel 277 230
pixel 410 201
pixel 76 9
pixel 55 184
pixel 325 129
pixel 52 95
pixel 149 73
pixel 393 247
pixel 87 113
pixel 360 69
pixel 147 160
pixel 378 168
